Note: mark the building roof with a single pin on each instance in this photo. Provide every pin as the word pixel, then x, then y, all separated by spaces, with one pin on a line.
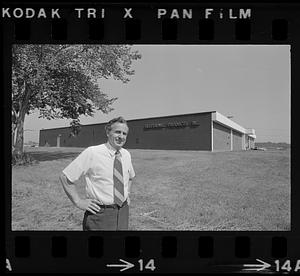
pixel 149 118
pixel 216 117
pixel 221 119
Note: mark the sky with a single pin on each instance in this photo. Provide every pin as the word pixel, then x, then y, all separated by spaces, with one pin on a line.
pixel 252 83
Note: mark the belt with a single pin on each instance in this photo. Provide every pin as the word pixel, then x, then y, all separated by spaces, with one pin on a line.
pixel 114 206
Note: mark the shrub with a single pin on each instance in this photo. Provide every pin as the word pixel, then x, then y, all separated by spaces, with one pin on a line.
pixel 22 159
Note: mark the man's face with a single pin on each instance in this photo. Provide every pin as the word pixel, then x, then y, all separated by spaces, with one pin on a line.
pixel 117 135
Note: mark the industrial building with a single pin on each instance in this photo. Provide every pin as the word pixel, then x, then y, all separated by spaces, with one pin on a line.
pixel 208 131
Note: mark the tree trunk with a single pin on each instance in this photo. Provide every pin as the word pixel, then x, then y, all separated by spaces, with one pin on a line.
pixel 13 136
pixel 18 146
pixel 19 139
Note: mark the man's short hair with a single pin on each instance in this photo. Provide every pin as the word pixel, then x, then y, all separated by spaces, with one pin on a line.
pixel 115 120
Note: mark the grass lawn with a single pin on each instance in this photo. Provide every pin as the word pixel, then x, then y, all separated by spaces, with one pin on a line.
pixel 173 190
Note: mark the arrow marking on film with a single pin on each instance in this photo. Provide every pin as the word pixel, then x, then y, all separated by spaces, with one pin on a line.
pixel 258 267
pixel 126 265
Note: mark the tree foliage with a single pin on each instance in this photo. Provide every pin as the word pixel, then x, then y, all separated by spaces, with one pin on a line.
pixel 62 81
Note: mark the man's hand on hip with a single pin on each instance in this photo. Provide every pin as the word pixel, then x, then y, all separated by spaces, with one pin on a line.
pixel 91 205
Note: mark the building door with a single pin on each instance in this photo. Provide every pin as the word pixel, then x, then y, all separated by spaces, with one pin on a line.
pixel 237 140
pixel 58 140
pixel 221 138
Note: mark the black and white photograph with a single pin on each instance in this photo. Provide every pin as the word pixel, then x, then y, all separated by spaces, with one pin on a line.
pixel 151 137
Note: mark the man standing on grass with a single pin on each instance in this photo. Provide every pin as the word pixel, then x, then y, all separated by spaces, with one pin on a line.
pixel 108 173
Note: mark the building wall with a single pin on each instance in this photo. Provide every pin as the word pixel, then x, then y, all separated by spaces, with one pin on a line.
pixel 197 137
pixel 221 138
pixel 237 140
pixel 143 134
pixel 89 135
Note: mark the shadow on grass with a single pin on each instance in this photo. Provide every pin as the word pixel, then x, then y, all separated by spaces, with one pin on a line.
pixel 49 156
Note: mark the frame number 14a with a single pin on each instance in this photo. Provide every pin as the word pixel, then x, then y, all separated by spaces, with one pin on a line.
pixel 280 266
pixel 287 266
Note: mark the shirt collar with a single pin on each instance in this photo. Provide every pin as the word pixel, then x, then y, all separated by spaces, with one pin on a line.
pixel 112 150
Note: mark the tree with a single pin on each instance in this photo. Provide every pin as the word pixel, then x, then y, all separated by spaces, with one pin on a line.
pixel 61 81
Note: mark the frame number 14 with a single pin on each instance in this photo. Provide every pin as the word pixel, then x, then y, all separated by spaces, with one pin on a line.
pixel 149 265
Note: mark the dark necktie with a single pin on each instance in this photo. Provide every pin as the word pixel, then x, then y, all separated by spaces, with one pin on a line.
pixel 118 180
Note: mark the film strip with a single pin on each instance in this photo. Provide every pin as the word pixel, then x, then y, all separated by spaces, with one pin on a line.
pixel 150 24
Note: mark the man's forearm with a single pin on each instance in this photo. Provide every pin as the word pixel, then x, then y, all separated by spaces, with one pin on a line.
pixel 129 185
pixel 70 189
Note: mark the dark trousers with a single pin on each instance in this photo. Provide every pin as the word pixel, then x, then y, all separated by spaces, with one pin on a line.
pixel 107 219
